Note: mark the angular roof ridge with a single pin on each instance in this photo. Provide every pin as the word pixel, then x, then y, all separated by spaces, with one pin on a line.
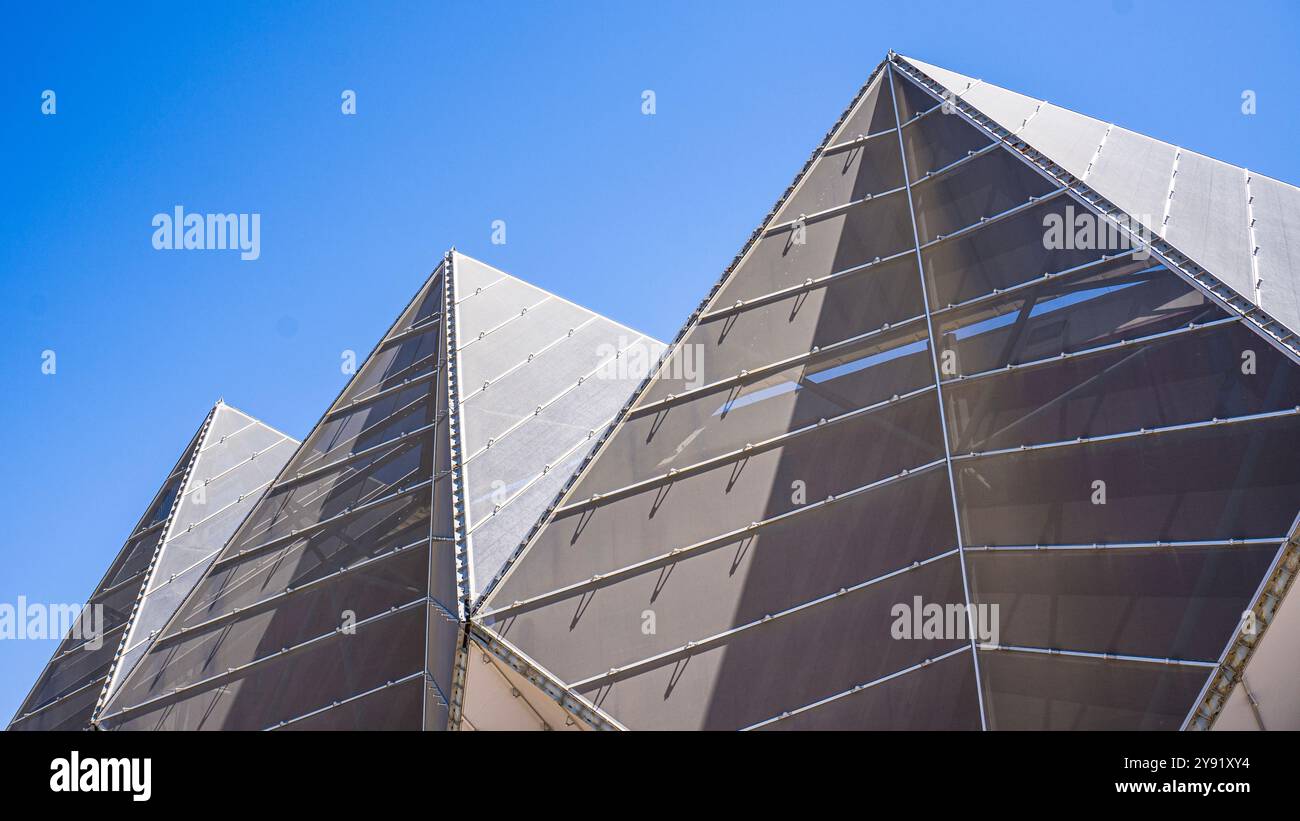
pixel 1236 225
pixel 945 77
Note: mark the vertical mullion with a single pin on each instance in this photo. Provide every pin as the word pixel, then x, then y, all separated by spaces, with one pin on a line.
pixel 943 418
pixel 437 395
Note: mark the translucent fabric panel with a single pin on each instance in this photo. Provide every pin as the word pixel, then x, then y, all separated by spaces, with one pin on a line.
pixel 1011 251
pixel 941 696
pixel 781 665
pixel 510 346
pixel 72 713
pixel 1221 482
pixel 205 521
pixel 856 304
pixel 159 605
pixel 938 140
pixel 286 686
pixel 299 506
pixel 1159 602
pixel 494 475
pixel 136 557
pixel 390 708
pixel 496 538
pixel 704 593
pixel 1069 315
pixel 443 638
pixel 209 494
pixel 877 228
pixel 911 99
pixel 1133 171
pixel 506 301
pixel 874 112
pixel 365 534
pixel 396 362
pixel 349 431
pixel 1031 691
pixel 117 603
pixel 847 174
pixel 261 632
pixel 226 421
pixel 722 421
pixel 427 305
pixel 516 396
pixel 74 670
pixel 984 187
pixel 221 455
pixel 1192 377
pixel 680 512
pixel 472 275
pixel 424 308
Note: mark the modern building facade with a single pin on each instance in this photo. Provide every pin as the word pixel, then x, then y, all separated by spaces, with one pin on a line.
pixel 226 466
pixel 341 600
pixel 985 356
pixel 991 424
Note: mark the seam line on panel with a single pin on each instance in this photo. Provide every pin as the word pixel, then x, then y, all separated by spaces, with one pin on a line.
pixel 1169 197
pixel 1255 281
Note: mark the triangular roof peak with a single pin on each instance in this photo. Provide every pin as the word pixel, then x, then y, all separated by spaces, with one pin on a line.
pixel 1240 226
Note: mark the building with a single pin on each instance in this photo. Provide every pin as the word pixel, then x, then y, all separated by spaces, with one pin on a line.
pixel 341 600
pixel 990 425
pixel 983 352
pixel 226 466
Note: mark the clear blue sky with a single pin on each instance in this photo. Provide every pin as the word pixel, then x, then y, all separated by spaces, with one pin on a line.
pixel 467 113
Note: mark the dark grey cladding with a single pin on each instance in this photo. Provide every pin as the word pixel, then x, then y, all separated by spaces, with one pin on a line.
pixel 222 472
pixel 338 602
pixel 909 394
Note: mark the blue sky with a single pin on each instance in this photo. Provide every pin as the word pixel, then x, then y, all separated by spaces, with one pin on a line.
pixel 466 113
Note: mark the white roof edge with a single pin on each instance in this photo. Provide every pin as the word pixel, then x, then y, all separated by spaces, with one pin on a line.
pixel 251 418
pixel 944 77
pixel 554 295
